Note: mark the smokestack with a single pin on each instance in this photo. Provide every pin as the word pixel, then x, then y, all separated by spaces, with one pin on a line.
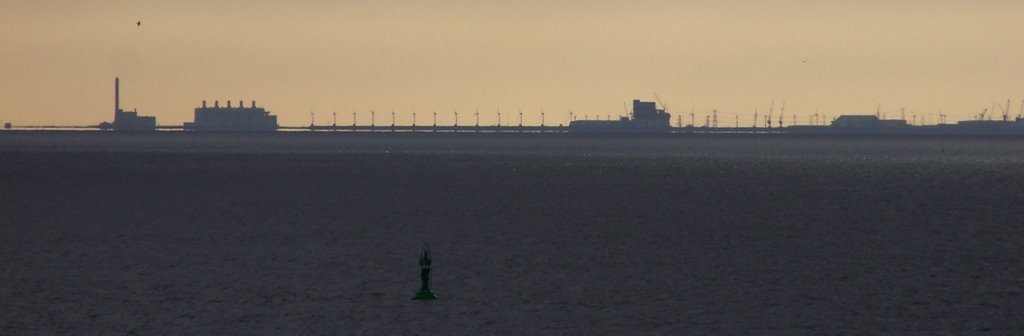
pixel 117 95
pixel 216 103
pixel 241 104
pixel 229 104
pixel 204 104
pixel 253 104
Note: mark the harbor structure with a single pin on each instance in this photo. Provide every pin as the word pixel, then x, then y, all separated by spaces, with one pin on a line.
pixel 127 120
pixel 871 124
pixel 240 118
pixel 867 122
pixel 647 117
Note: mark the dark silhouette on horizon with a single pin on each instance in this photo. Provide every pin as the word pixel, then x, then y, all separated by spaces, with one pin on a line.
pixel 647 117
pixel 230 118
pixel 127 120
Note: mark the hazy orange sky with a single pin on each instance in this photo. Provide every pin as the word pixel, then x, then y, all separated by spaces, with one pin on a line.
pixel 58 59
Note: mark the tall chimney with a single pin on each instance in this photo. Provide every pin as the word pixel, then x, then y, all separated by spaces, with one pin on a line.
pixel 229 103
pixel 241 104
pixel 204 104
pixel 117 95
pixel 253 104
pixel 216 103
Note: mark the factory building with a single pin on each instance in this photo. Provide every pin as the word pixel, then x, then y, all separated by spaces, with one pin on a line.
pixel 867 122
pixel 230 118
pixel 127 120
pixel 647 117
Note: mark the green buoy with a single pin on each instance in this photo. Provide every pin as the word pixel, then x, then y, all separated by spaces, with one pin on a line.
pixel 425 293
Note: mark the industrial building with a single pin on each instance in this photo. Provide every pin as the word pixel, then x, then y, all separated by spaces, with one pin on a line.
pixel 871 124
pixel 127 120
pixel 230 118
pixel 647 117
pixel 867 122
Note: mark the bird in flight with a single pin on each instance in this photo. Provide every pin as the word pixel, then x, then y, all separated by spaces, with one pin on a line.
pixel 139 23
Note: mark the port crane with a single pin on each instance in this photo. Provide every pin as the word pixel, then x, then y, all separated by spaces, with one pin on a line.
pixel 782 113
pixel 1006 111
pixel 663 106
pixel 1021 114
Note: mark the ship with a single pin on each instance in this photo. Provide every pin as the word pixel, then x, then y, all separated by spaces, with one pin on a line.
pixel 127 120
pixel 240 118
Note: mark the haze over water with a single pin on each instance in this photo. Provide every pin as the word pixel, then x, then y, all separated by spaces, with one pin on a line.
pixel 570 233
pixel 831 57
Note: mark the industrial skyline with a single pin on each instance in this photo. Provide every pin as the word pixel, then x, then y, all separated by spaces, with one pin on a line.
pixel 927 58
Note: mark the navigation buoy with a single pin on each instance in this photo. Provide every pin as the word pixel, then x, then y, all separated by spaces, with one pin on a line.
pixel 425 293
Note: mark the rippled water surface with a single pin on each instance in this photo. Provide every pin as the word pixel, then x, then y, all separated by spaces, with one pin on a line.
pixel 295 233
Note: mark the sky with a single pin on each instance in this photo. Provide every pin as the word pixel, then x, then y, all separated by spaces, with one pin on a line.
pixel 58 59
